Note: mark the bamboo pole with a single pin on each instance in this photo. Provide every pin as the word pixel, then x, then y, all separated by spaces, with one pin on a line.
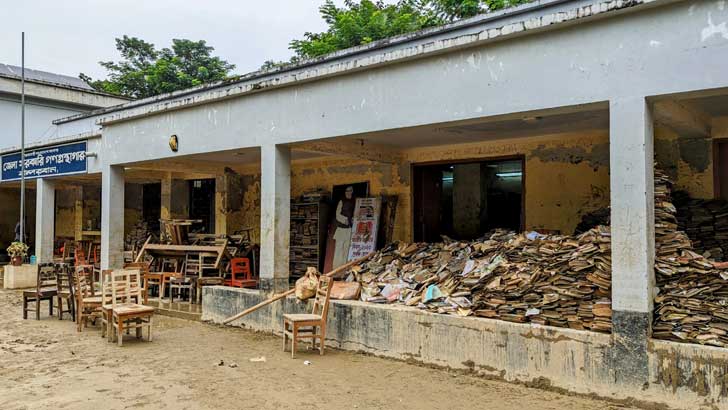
pixel 291 291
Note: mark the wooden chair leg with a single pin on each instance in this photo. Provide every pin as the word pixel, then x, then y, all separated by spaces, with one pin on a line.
pixel 322 340
pixel 294 342
pixel 37 308
pixel 25 307
pixel 50 307
pixel 150 328
pixel 285 335
pixel 120 331
pixel 138 328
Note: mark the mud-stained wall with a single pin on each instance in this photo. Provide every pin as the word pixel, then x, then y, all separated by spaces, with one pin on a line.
pixel 688 161
pixel 249 214
pixel 133 206
pixel 65 221
pixel 566 175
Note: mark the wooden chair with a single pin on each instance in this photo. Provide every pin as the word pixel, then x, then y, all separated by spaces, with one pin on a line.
pixel 64 283
pixel 135 281
pixel 68 249
pixel 180 284
pixel 88 306
pixel 309 326
pixel 45 289
pixel 80 256
pixel 143 268
pixel 241 275
pixel 201 263
pixel 125 314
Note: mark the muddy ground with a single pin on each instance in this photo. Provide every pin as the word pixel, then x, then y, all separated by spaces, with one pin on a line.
pixel 46 364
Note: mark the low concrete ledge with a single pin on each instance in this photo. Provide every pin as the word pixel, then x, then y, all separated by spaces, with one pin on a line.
pixel 689 370
pixel 681 375
pixel 19 277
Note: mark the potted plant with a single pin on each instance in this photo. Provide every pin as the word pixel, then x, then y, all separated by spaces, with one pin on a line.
pixel 17 252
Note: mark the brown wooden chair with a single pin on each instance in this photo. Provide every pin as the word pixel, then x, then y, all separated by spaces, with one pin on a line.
pixel 309 326
pixel 64 284
pixel 143 268
pixel 45 289
pixel 88 306
pixel 65 257
pixel 125 314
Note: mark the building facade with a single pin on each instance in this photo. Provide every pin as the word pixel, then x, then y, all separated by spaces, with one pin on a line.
pixel 575 100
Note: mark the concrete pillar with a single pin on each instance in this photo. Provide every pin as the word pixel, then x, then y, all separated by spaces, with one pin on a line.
pixel 220 214
pixel 633 235
pixel 45 216
pixel 275 196
pixel 112 217
pixel 166 197
pixel 78 213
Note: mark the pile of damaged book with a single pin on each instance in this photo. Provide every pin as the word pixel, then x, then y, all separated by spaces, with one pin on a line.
pixel 553 280
pixel 692 302
pixel 706 223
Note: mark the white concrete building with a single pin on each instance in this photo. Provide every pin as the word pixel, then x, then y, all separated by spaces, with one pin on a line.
pixel 49 96
pixel 583 94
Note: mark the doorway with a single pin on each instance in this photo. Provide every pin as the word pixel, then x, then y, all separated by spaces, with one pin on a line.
pixel 202 203
pixel 152 204
pixel 464 200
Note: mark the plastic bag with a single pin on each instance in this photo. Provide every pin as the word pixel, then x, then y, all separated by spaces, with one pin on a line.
pixel 306 285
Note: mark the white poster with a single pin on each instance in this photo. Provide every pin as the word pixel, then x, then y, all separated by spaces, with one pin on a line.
pixel 364 227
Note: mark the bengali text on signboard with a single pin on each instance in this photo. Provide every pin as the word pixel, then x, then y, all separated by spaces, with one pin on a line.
pixel 67 159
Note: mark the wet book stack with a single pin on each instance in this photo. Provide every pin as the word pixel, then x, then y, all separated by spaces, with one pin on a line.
pixel 705 222
pixel 691 304
pixel 553 280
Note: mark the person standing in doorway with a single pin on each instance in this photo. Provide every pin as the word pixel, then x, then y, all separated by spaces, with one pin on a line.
pixel 342 236
pixel 17 232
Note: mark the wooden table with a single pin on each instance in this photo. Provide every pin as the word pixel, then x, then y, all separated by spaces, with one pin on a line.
pixel 158 250
pixel 177 229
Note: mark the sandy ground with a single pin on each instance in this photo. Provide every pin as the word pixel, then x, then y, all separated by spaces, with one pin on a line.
pixel 46 364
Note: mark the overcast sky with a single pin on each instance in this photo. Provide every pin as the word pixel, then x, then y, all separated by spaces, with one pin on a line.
pixel 71 36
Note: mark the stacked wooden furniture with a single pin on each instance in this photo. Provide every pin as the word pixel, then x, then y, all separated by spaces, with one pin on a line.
pixel 308 235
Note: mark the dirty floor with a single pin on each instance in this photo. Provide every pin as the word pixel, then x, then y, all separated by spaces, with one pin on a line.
pixel 47 365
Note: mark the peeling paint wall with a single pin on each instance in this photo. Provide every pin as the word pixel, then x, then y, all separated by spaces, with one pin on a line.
pixel 66 221
pixel 249 214
pixel 65 217
pixel 133 205
pixel 566 176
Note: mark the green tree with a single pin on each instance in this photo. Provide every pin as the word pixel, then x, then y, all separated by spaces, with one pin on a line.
pixel 450 10
pixel 145 71
pixel 362 22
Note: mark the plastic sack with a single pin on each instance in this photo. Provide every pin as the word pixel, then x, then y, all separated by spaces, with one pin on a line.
pixel 306 285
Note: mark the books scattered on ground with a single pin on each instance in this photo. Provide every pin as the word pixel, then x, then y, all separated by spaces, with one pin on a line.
pixel 692 302
pixel 552 280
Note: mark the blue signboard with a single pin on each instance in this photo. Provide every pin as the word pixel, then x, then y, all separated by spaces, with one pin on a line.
pixel 67 159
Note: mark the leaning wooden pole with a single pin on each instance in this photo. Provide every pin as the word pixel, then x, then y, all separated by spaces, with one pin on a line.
pixel 291 291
